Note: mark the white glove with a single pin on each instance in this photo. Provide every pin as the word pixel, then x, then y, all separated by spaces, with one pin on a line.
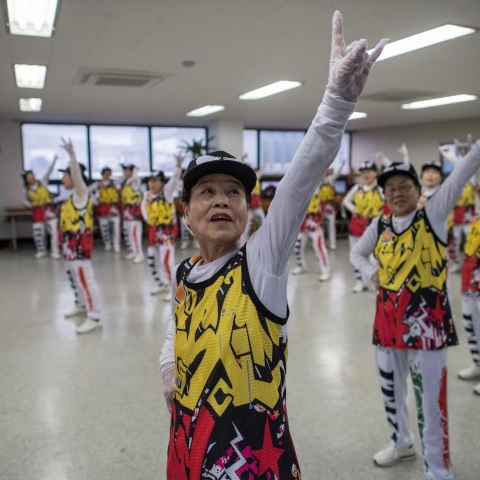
pixel 349 65
pixel 167 373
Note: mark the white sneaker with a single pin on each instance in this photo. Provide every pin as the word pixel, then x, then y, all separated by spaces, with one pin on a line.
pixel 390 455
pixel 454 268
pixel 116 249
pixel 476 389
pixel 333 247
pixel 76 312
pixel 108 247
pixel 129 256
pixel 139 259
pixel 324 277
pixel 470 373
pixel 55 255
pixel 159 289
pixel 298 270
pixel 88 326
pixel 359 288
pixel 183 246
pixel 39 255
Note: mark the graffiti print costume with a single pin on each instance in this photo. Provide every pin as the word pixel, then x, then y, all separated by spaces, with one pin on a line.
pixel 413 323
pixel 227 335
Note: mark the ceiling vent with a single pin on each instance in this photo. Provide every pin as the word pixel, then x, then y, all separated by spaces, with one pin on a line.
pixel 119 78
pixel 399 96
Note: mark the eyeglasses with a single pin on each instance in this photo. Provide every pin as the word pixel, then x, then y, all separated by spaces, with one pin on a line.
pixel 390 191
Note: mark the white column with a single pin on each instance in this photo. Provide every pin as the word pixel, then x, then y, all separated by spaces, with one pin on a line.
pixel 228 136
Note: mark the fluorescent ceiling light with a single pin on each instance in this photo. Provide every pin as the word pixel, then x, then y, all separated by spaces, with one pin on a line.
pixel 207 110
pixel 30 76
pixel 422 40
pixel 30 104
pixel 436 102
pixel 35 18
pixel 271 89
pixel 357 115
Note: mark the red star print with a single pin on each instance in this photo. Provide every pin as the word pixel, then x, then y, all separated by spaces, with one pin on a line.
pixel 438 311
pixel 269 454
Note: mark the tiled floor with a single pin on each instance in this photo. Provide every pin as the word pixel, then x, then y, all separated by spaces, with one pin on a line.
pixel 90 407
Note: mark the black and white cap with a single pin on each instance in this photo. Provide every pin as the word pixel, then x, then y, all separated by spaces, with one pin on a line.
pixel 368 165
pixel 219 162
pixel 106 169
pixel 131 166
pixel 158 174
pixel 432 164
pixel 398 168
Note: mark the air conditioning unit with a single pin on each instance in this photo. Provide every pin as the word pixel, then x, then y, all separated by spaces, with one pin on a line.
pixel 119 78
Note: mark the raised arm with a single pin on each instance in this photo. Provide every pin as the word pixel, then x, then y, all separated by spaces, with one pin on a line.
pixel 170 187
pixel 47 176
pixel 349 69
pixel 348 199
pixel 80 191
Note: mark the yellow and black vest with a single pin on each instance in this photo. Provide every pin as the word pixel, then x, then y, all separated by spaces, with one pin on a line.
pixel 40 196
pixel 314 205
pixel 159 211
pixel 413 311
pixel 368 203
pixel 108 193
pixel 468 196
pixel 257 188
pixel 230 357
pixel 76 229
pixel 471 262
pixel 129 196
pixel 326 192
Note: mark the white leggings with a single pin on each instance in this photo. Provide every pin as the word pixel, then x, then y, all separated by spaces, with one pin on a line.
pixel 471 322
pixel 330 220
pixel 133 230
pixel 428 370
pixel 458 231
pixel 161 259
pixel 318 243
pixel 110 231
pixel 84 286
pixel 358 276
pixel 39 231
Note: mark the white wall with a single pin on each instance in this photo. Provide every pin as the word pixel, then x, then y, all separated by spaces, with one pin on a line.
pixel 422 140
pixel 228 136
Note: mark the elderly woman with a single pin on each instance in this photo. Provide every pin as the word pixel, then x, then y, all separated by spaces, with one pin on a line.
pixel 223 364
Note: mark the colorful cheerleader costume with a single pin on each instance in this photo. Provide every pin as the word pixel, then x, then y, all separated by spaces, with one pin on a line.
pixel 160 214
pixel 44 215
pixel 107 211
pixel 365 203
pixel 471 301
pixel 413 323
pixel 227 337
pixel 255 212
pixel 328 208
pixel 312 227
pixel 131 197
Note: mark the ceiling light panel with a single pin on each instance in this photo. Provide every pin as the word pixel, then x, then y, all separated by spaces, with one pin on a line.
pixel 423 39
pixel 35 18
pixel 30 76
pixel 272 89
pixel 30 104
pixel 437 102
pixel 207 110
pixel 357 115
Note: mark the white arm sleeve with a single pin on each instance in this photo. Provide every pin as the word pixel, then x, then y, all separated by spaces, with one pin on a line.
pixel 143 207
pixel 170 187
pixel 25 199
pixel 348 199
pixel 80 192
pixel 167 354
pixel 360 253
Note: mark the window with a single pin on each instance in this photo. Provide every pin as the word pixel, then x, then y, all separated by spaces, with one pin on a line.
pixel 41 142
pixel 277 149
pixel 250 147
pixel 166 143
pixel 343 156
pixel 112 146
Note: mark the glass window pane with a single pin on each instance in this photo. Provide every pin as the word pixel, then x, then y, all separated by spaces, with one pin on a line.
pixel 41 142
pixel 166 143
pixel 250 147
pixel 277 149
pixel 111 146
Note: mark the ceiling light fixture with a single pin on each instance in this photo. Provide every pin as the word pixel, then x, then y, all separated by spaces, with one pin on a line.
pixel 436 102
pixel 271 89
pixel 30 104
pixel 30 76
pixel 207 110
pixel 34 18
pixel 357 115
pixel 423 39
